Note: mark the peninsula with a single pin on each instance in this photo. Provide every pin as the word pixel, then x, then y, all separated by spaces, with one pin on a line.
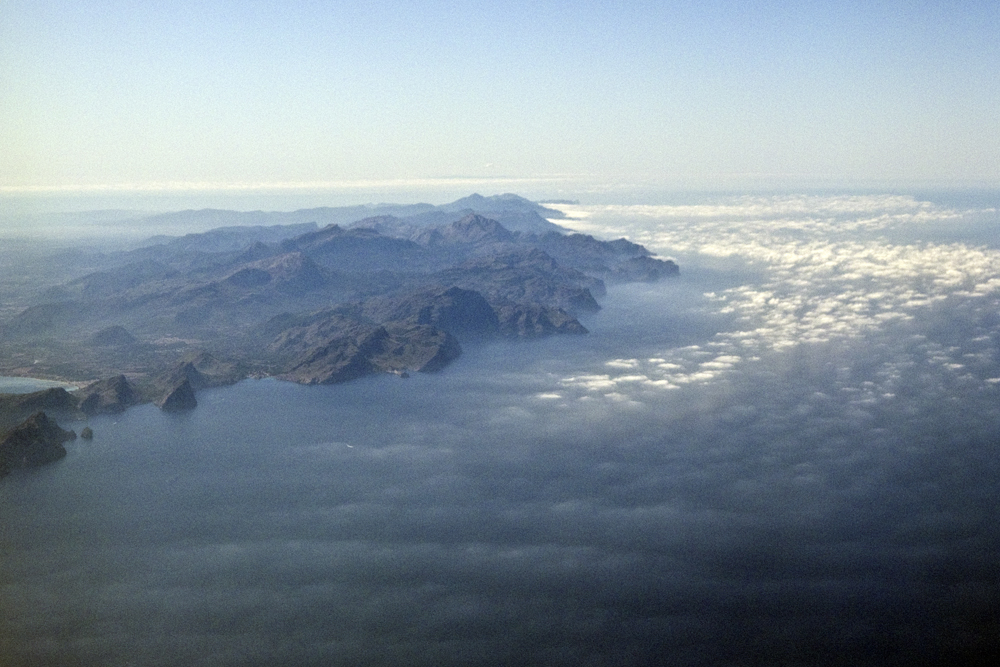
pixel 378 289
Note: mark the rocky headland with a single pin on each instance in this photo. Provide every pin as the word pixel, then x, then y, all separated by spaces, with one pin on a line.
pixel 35 441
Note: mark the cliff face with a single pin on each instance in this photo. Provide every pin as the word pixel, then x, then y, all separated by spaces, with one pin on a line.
pixel 461 312
pixel 526 276
pixel 108 396
pixel 14 408
pixel 55 398
pixel 34 442
pixel 536 321
pixel 201 370
pixel 178 398
pixel 366 349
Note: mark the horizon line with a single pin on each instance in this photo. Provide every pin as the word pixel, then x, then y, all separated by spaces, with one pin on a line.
pixel 239 186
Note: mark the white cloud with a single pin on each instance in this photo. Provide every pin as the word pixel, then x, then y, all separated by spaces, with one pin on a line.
pixel 623 363
pixel 820 280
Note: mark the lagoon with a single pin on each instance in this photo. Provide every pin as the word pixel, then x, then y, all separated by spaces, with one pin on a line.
pixel 20 385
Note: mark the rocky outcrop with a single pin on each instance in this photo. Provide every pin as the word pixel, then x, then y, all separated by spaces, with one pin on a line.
pixel 472 229
pixel 178 399
pixel 342 358
pixel 356 249
pixel 289 272
pixel 54 398
pixel 619 260
pixel 108 396
pixel 14 408
pixel 535 321
pixel 34 442
pixel 200 370
pixel 184 371
pixel 293 336
pixel 644 269
pixel 364 350
pixel 467 314
pixel 412 331
pixel 461 312
pixel 419 347
pixel 526 276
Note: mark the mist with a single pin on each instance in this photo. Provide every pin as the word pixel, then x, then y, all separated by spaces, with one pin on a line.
pixel 785 456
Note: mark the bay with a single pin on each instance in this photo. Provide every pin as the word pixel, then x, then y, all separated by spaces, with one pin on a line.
pixel 22 385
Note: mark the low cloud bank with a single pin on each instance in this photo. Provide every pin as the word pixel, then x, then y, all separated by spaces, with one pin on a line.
pixel 725 471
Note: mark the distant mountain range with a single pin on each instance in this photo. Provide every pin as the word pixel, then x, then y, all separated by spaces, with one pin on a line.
pixel 513 212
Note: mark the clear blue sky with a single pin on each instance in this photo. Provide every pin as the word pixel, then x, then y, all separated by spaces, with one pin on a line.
pixel 714 94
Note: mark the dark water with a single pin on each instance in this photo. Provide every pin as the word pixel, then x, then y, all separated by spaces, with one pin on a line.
pixel 638 496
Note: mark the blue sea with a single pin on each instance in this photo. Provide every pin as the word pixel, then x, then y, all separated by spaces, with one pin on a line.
pixel 787 455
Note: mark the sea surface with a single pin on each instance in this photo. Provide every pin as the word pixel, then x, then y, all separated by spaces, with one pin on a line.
pixel 787 455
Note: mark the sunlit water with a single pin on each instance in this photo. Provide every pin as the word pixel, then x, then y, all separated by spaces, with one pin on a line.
pixel 785 456
pixel 18 385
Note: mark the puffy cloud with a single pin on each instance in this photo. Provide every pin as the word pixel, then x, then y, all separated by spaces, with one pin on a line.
pixel 822 271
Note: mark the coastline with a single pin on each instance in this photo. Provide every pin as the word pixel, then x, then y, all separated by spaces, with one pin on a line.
pixel 19 384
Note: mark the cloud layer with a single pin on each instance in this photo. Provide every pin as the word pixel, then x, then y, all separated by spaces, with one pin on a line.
pixel 786 456
pixel 827 274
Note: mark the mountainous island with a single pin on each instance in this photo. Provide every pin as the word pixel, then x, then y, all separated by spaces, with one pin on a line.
pixel 376 289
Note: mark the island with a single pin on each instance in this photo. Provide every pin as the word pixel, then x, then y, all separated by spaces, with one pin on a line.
pixel 378 289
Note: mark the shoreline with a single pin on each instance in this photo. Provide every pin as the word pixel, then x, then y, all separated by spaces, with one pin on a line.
pixel 22 384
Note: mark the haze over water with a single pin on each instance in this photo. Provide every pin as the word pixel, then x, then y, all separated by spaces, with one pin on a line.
pixel 785 456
